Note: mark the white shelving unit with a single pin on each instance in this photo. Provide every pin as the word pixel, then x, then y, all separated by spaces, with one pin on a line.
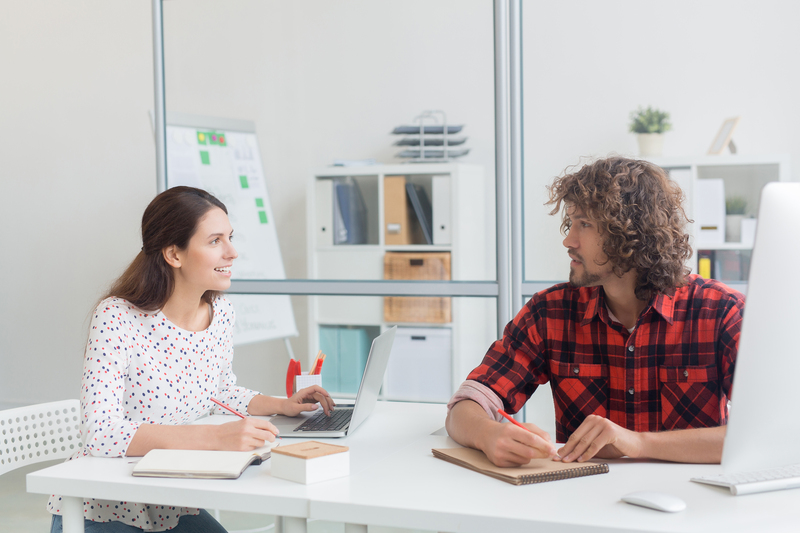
pixel 743 176
pixel 472 258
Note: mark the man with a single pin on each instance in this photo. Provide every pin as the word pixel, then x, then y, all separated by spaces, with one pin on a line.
pixel 639 353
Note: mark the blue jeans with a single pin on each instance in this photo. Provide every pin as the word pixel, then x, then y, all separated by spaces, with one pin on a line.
pixel 202 523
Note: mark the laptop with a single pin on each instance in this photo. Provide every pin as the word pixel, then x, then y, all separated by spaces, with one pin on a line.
pixel 345 418
pixel 761 450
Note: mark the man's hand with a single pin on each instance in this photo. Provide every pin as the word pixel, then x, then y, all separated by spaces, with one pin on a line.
pixel 509 445
pixel 307 400
pixel 600 437
pixel 504 444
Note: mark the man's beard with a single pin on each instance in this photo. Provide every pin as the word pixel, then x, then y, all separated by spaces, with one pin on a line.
pixel 585 280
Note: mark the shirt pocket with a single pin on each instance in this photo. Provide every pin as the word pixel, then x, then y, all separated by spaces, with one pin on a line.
pixel 689 396
pixel 579 390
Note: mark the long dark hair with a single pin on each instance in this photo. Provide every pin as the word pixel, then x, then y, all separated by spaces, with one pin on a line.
pixel 170 219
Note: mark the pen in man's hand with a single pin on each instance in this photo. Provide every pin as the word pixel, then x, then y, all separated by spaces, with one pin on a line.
pixel 508 417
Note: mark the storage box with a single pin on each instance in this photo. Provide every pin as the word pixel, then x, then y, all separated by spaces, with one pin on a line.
pixel 310 462
pixel 418 266
pixel 419 368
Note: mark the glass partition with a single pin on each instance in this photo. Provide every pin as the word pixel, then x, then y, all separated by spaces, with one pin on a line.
pixel 439 340
pixel 585 74
pixel 327 89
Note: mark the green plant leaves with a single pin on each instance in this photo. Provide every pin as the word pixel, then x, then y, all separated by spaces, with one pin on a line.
pixel 649 121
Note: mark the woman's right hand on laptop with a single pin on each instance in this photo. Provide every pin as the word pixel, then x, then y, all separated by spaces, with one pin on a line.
pixel 308 399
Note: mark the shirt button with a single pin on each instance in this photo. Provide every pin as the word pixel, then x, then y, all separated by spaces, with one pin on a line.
pixel 686 373
pixel 631 391
pixel 576 370
pixel 630 348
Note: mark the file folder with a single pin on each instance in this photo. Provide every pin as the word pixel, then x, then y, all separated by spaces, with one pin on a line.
pixel 323 191
pixel 353 212
pixel 395 211
pixel 440 191
pixel 422 209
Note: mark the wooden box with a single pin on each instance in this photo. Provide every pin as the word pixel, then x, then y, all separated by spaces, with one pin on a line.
pixel 310 462
pixel 417 266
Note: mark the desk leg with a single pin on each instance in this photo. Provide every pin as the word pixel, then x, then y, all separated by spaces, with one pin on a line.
pixel 289 524
pixel 72 514
pixel 355 528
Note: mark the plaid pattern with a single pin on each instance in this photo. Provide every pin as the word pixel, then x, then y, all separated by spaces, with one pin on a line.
pixel 674 371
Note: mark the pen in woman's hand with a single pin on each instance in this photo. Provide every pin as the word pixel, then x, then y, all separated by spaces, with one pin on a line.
pixel 227 407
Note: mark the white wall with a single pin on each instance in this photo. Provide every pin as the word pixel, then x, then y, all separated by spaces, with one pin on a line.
pixel 76 171
pixel 325 80
pixel 589 64
pixel 321 80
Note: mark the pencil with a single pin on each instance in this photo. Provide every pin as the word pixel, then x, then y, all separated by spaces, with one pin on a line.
pixel 314 363
pixel 227 407
pixel 507 417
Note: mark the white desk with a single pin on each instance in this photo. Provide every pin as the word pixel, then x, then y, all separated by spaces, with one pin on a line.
pixel 415 490
pixel 395 481
pixel 256 491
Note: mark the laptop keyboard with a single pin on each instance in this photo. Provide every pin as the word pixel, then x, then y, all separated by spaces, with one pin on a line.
pixel 322 422
pixel 786 477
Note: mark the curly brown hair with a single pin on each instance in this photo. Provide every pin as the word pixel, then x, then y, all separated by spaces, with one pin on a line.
pixel 639 212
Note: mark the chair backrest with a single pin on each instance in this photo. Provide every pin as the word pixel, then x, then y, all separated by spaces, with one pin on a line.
pixel 37 433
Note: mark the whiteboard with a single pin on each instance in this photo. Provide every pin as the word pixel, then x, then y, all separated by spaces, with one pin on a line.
pixel 221 156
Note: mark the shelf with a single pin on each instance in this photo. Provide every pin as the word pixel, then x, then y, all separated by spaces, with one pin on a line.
pixel 719 160
pixel 724 246
pixel 460 226
pixel 741 175
pixel 383 248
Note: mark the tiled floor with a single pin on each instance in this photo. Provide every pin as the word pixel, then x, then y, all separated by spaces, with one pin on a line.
pixel 21 512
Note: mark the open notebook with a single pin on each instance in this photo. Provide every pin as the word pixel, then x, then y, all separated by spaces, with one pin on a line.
pixel 205 464
pixel 537 471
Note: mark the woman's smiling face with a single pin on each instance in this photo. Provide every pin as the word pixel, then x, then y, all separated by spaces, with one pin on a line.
pixel 205 263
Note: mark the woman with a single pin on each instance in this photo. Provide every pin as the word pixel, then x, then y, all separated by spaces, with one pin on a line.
pixel 160 347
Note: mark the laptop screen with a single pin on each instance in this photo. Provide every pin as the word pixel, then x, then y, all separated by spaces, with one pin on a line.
pixel 373 377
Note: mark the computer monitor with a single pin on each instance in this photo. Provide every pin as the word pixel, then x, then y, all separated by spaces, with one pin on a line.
pixel 764 427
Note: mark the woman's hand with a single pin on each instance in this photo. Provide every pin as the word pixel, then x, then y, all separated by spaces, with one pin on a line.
pixel 245 434
pixel 308 399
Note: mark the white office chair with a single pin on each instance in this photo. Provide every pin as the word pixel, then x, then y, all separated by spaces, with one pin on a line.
pixel 39 433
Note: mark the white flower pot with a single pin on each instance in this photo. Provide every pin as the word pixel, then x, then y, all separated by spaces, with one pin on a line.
pixel 733 228
pixel 651 144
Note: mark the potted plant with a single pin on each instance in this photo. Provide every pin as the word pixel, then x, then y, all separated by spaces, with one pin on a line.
pixel 650 124
pixel 735 208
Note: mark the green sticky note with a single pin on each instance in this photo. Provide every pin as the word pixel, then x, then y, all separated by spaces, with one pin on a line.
pixel 262 215
pixel 243 181
pixel 259 202
pixel 221 140
pixel 204 157
pixel 213 138
pixel 202 137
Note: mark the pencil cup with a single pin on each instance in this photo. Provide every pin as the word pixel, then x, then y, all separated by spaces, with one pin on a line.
pixel 305 380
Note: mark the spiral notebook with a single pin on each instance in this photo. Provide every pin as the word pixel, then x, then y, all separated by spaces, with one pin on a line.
pixel 537 471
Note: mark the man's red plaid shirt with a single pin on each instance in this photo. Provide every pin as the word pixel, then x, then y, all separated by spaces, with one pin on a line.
pixel 674 371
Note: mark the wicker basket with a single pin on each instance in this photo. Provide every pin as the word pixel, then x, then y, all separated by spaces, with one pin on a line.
pixel 416 265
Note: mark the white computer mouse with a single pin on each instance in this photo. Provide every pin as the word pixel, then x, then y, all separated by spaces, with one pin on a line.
pixel 656 500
